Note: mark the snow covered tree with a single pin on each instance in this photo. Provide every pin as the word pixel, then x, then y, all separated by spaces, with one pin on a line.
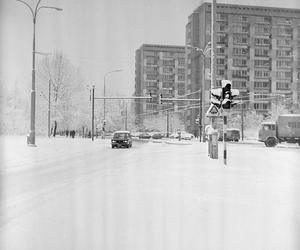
pixel 69 97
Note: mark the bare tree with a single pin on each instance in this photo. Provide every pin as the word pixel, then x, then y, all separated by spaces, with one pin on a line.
pixel 68 102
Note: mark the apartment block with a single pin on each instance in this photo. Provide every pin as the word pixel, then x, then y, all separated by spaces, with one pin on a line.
pixel 159 69
pixel 258 49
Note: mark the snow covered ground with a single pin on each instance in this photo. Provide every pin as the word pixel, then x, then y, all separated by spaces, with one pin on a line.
pixel 78 194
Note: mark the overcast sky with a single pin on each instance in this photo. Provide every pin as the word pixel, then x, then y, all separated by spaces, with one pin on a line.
pixel 96 35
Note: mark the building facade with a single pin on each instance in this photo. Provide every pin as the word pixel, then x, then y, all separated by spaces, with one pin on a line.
pixel 159 70
pixel 258 49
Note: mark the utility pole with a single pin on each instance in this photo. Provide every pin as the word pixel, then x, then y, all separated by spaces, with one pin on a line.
pixel 242 119
pixel 126 117
pixel 49 102
pixel 93 101
pixel 167 123
pixel 225 137
pixel 213 49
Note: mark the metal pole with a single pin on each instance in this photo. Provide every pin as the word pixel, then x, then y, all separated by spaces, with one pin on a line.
pixel 167 123
pixel 202 101
pixel 224 138
pixel 242 118
pixel 93 100
pixel 104 100
pixel 126 117
pixel 49 101
pixel 213 44
pixel 31 137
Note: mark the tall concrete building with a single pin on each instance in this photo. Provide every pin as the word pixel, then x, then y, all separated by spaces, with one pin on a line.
pixel 258 49
pixel 159 69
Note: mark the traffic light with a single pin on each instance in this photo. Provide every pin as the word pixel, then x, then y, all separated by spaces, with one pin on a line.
pixel 151 98
pixel 216 95
pixel 228 94
pixel 159 99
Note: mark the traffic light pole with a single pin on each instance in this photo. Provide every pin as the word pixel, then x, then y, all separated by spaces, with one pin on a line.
pixel 167 123
pixel 225 137
pixel 93 102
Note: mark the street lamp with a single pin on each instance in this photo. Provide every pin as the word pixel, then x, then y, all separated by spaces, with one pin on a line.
pixel 34 12
pixel 204 52
pixel 113 71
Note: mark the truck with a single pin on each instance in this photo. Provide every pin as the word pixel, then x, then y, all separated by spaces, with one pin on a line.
pixel 285 129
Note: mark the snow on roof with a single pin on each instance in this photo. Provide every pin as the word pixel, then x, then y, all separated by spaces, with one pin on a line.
pixel 122 131
pixel 291 115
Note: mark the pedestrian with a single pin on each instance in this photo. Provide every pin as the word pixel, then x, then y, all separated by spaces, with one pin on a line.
pixel 67 133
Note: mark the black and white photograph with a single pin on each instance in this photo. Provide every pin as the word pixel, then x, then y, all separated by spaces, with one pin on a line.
pixel 149 125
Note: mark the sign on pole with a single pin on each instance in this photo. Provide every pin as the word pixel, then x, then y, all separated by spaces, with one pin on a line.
pixel 213 111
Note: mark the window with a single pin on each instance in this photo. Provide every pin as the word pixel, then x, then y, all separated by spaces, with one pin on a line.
pixel 221 17
pixel 167 77
pixel 168 63
pixel 240 51
pixel 284 31
pixel 282 86
pixel 261 106
pixel 283 42
pixel 261 74
pixel 151 76
pixel 167 84
pixel 267 127
pixel 261 63
pixel 262 29
pixel 151 60
pixel 181 61
pixel 220 61
pixel 239 62
pixel 151 84
pixel 168 70
pixel 239 39
pixel 220 72
pixel 261 52
pixel 244 28
pixel 261 19
pixel 294 124
pixel 261 41
pixel 283 53
pixel 239 84
pixel 262 85
pixel 239 73
pixel 222 39
pixel 180 71
pixel 283 64
pixel 180 77
pixel 260 96
pixel 283 74
pixel 221 50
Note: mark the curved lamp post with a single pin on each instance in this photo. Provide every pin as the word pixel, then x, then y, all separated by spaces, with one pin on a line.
pixel 113 71
pixel 34 11
pixel 204 53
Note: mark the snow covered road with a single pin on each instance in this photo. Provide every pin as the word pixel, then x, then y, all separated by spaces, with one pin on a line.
pixel 79 194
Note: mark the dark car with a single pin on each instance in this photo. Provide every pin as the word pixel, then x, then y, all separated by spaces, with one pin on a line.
pixel 121 139
pixel 144 135
pixel 157 135
pixel 232 134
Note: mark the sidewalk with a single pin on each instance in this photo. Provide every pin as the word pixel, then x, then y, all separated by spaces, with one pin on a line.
pixel 17 156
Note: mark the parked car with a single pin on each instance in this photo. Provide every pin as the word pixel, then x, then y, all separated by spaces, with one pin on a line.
pixel 186 136
pixel 232 134
pixel 144 135
pixel 157 135
pixel 121 139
